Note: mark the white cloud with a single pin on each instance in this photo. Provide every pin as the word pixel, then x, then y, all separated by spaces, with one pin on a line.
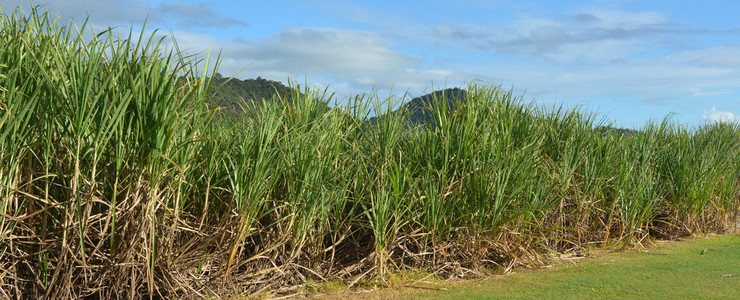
pixel 720 116
pixel 590 54
pixel 711 93
pixel 596 36
pixel 104 13
pixel 623 19
pixel 601 53
pixel 721 56
pixel 345 58
pixel 362 58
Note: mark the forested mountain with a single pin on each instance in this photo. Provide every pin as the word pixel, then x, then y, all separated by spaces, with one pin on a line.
pixel 231 95
pixel 421 109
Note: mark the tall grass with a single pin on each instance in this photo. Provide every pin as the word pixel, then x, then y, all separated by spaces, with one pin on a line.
pixel 118 181
pixel 98 149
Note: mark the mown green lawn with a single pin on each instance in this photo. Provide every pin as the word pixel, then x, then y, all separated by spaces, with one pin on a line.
pixel 673 270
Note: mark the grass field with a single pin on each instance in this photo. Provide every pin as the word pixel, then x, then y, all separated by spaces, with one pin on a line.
pixel 117 181
pixel 670 270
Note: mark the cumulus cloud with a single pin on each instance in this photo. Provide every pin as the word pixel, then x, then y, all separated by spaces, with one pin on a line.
pixel 589 54
pixel 362 58
pixel 720 116
pixel 344 59
pixel 317 49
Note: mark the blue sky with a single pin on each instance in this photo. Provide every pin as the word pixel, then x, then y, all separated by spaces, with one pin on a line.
pixel 632 61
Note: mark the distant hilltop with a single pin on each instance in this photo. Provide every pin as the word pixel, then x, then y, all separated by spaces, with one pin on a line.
pixel 231 94
pixel 421 109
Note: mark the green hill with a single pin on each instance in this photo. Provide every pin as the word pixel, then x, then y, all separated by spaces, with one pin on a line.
pixel 233 95
pixel 421 109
